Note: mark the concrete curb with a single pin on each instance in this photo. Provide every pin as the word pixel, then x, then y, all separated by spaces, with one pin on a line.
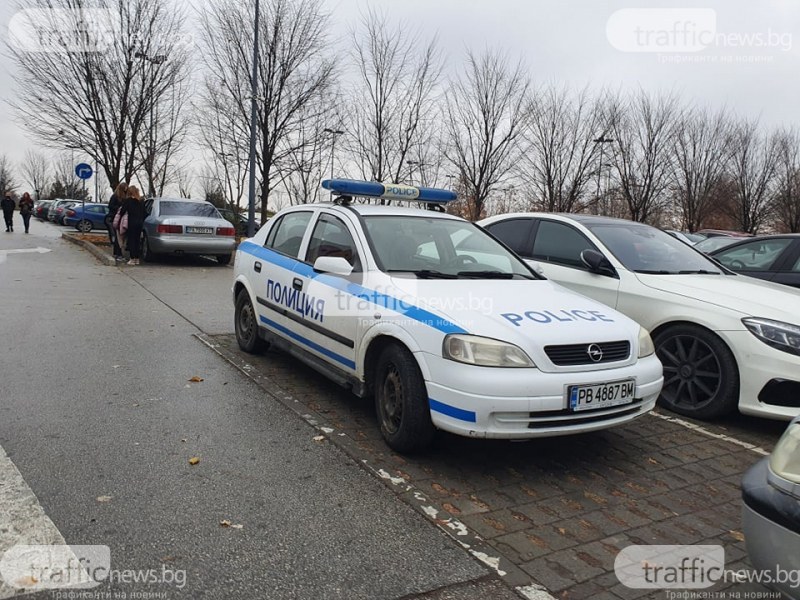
pixel 104 258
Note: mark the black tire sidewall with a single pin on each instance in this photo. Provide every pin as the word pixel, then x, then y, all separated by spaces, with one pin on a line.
pixel 416 430
pixel 726 399
pixel 253 344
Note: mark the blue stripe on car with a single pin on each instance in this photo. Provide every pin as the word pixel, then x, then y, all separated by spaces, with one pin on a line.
pixel 452 411
pixel 313 345
pixel 362 293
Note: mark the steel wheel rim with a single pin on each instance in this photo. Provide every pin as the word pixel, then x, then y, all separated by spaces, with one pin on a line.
pixel 391 402
pixel 692 372
pixel 246 322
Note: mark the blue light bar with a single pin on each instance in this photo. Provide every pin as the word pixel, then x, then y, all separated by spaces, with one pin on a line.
pixel 389 191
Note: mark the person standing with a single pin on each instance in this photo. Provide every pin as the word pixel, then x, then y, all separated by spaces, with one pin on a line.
pixel 133 208
pixel 114 205
pixel 26 210
pixel 7 204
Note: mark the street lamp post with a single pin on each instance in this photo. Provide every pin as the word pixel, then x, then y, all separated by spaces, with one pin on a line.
pixel 98 123
pixel 334 133
pixel 450 179
pixel 157 59
pixel 602 140
pixel 412 164
pixel 251 198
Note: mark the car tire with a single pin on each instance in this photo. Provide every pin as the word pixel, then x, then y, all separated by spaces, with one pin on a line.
pixel 147 254
pixel 401 401
pixel 224 259
pixel 701 378
pixel 246 325
pixel 84 226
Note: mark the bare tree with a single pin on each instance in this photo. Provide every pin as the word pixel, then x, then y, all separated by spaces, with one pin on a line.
pixel 787 176
pixel 184 181
pixel 296 67
pixel 642 127
pixel 559 154
pixel 8 184
pixel 65 184
pixel 395 103
pixel 486 114
pixel 754 158
pixel 35 168
pixel 105 71
pixel 701 154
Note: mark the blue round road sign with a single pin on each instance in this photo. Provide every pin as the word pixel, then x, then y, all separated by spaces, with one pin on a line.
pixel 83 171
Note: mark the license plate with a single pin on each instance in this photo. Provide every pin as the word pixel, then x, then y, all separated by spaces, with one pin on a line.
pixel 604 395
pixel 199 230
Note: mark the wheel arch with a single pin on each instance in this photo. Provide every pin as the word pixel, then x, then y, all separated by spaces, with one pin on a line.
pixel 375 346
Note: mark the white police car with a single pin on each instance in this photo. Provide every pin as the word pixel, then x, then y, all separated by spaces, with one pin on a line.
pixel 441 323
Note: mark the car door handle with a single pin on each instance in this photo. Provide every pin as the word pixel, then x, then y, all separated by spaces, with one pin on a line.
pixel 297 283
pixel 257 267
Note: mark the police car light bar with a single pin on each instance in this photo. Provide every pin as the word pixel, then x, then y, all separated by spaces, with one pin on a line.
pixel 389 191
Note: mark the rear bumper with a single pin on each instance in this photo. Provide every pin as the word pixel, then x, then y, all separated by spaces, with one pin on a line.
pixel 180 244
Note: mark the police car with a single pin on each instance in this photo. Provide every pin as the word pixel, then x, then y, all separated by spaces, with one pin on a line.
pixel 439 322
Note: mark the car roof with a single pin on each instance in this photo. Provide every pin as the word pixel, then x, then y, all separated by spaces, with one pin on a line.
pixel 368 210
pixel 578 217
pixel 186 200
pixel 741 241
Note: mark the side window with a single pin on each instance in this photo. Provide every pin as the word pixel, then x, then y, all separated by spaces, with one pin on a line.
pixel 514 233
pixel 148 206
pixel 287 234
pixel 559 243
pixel 796 267
pixel 753 256
pixel 332 238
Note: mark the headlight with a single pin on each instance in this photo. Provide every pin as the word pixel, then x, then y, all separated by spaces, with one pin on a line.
pixel 485 352
pixel 783 336
pixel 785 459
pixel 646 347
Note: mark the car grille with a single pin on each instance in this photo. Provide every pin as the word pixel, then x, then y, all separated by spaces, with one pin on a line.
pixel 588 354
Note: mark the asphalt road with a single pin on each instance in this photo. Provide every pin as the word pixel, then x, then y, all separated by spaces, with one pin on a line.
pixel 99 420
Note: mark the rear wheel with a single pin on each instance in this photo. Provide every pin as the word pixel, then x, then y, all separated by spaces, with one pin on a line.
pixel 701 378
pixel 246 325
pixel 401 401
pixel 84 226
pixel 146 252
pixel 224 259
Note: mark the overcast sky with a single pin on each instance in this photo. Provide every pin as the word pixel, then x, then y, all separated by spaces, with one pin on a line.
pixel 738 53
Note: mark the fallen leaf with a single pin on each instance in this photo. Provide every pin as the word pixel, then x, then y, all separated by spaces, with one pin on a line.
pixel 236 526
pixel 195 379
pixel 318 438
pixel 184 440
pixel 26 582
pixel 225 523
pixel 737 535
pixel 194 460
pixel 104 498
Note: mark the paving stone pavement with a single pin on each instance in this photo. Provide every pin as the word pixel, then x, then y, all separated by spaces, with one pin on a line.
pixel 558 509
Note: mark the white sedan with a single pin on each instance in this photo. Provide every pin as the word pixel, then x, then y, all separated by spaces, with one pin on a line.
pixel 725 340
pixel 439 322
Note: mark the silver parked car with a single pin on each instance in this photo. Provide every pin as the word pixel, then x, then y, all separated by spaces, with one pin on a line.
pixel 182 226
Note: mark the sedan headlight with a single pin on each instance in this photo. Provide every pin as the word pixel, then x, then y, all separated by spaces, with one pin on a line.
pixel 785 459
pixel 484 352
pixel 783 336
pixel 646 346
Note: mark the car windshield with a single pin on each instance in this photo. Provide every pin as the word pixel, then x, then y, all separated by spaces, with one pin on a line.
pixel 187 209
pixel 439 248
pixel 715 243
pixel 645 249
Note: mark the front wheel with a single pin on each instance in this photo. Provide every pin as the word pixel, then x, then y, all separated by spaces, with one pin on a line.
pixel 701 379
pixel 84 226
pixel 401 401
pixel 246 325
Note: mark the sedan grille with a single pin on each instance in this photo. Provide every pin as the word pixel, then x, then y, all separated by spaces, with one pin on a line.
pixel 588 354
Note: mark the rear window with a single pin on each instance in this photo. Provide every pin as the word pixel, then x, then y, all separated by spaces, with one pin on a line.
pixel 187 209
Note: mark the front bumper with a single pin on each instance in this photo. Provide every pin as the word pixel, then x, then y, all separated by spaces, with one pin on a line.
pixel 181 244
pixel 527 403
pixel 760 364
pixel 771 526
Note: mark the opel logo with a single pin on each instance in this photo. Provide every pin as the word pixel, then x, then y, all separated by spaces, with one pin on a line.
pixel 594 352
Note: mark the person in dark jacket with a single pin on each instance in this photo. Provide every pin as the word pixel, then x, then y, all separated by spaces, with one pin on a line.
pixel 26 210
pixel 133 207
pixel 114 205
pixel 7 204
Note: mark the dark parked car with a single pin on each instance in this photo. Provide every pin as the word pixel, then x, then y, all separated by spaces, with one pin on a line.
pixel 771 513
pixel 92 216
pixel 41 209
pixel 723 233
pixel 772 257
pixel 56 212
pixel 710 244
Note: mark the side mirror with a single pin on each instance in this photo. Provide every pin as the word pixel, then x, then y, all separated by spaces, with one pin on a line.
pixel 597 263
pixel 333 264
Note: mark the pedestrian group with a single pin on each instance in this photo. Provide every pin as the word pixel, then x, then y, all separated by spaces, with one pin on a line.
pixel 25 210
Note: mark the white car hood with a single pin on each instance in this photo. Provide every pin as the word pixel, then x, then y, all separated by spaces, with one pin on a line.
pixel 530 314
pixel 749 297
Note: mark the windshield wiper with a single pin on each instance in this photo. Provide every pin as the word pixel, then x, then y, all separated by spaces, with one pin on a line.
pixel 425 274
pixel 662 272
pixel 699 272
pixel 485 275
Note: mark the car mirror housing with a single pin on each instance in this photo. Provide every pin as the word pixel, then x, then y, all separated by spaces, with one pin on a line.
pixel 333 264
pixel 597 263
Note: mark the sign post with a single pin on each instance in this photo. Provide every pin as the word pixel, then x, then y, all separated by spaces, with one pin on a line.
pixel 83 171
